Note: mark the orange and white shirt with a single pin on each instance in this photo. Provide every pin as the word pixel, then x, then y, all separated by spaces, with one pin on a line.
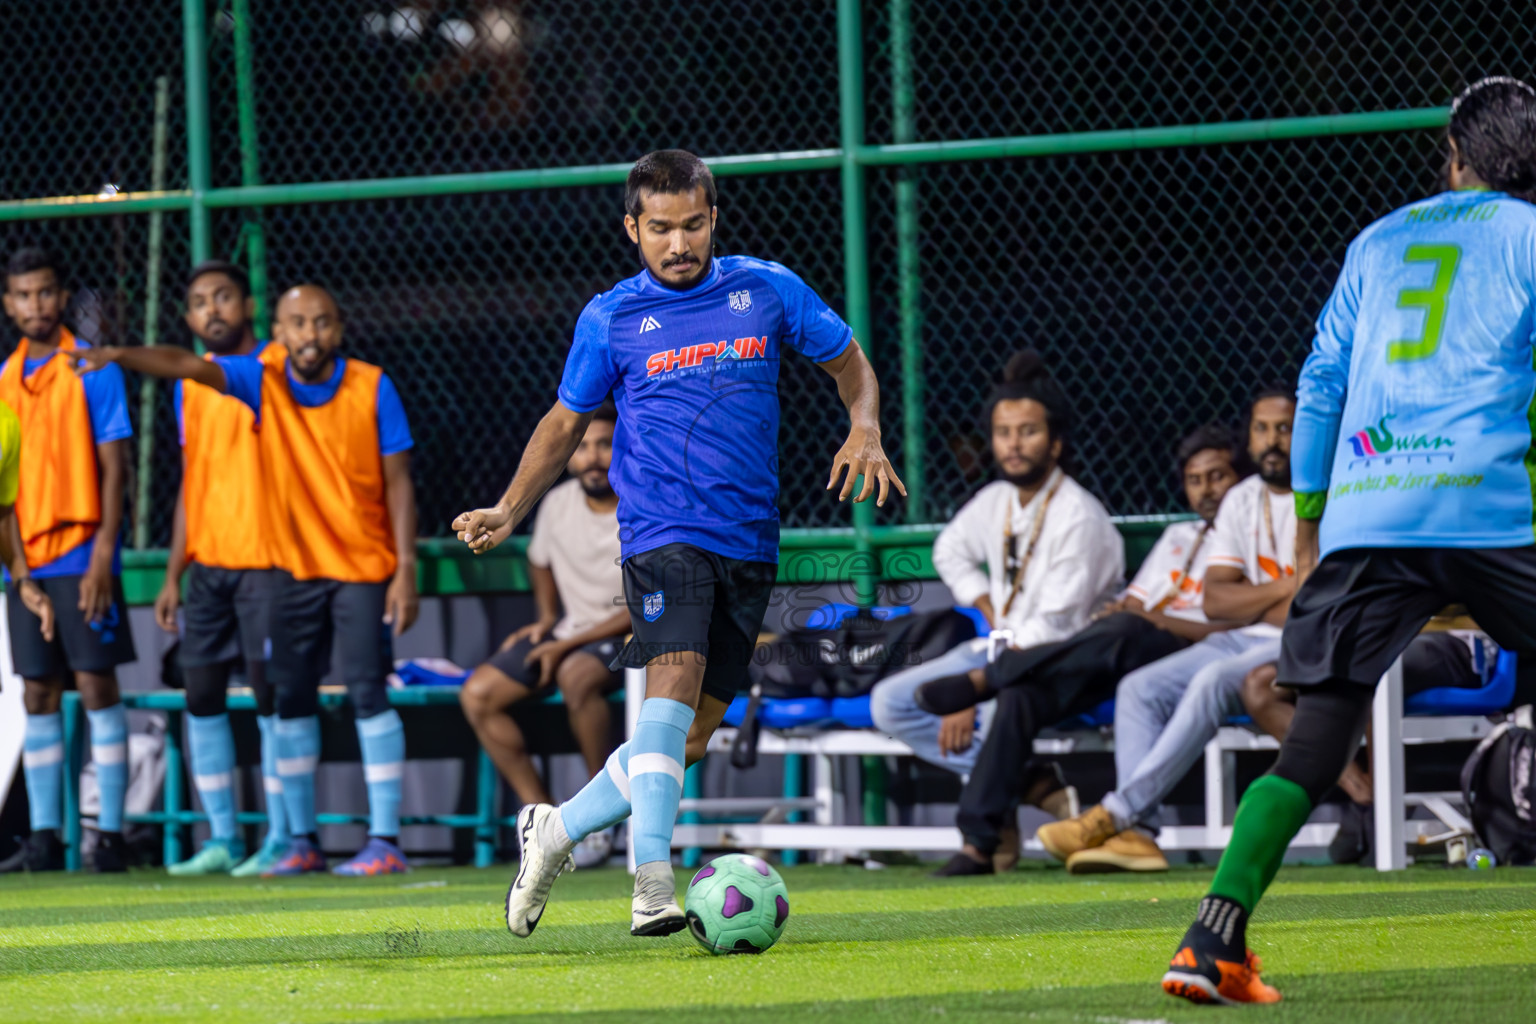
pixel 1172 578
pixel 1256 532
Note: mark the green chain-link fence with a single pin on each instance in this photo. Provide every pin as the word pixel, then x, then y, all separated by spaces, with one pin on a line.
pixel 1157 195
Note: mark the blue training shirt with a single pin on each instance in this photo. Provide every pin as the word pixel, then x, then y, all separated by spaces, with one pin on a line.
pixel 695 377
pixel 1415 409
pixel 242 380
pixel 106 396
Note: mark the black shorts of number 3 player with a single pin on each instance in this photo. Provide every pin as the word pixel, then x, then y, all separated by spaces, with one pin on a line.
pixel 1410 461
pixel 690 349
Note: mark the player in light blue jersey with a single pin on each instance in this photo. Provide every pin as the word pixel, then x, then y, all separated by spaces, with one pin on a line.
pixel 690 348
pixel 1414 471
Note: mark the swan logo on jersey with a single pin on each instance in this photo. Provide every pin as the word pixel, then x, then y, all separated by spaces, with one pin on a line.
pixel 1380 443
pixel 741 302
pixel 693 355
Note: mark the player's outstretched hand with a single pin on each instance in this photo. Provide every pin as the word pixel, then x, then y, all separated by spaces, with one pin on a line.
pixel 483 528
pixel 93 358
pixel 862 454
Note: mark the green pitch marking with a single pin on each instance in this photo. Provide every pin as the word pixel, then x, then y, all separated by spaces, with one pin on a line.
pixel 1342 944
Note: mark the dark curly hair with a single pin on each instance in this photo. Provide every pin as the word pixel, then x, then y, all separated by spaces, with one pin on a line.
pixel 1493 123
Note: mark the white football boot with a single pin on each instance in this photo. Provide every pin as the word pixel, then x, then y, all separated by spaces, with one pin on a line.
pixel 544 851
pixel 655 910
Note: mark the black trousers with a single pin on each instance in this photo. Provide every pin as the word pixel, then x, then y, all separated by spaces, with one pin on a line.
pixel 1038 687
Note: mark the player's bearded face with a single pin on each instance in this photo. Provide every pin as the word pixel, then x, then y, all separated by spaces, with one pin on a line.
pixel 35 302
pixel 1022 443
pixel 216 312
pixel 676 236
pixel 1269 439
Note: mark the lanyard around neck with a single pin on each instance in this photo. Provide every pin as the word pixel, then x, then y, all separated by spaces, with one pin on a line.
pixel 1022 565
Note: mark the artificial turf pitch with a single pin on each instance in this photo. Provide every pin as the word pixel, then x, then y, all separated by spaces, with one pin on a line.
pixel 1342 944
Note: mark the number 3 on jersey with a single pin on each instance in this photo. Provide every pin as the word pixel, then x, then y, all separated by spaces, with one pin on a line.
pixel 1431 300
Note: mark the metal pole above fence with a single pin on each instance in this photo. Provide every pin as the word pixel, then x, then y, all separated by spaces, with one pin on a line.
pixel 194 32
pixel 850 69
pixel 250 163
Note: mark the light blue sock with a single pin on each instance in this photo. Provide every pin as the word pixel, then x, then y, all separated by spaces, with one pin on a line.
pixel 656 754
pixel 109 752
pixel 213 771
pixel 383 741
pixel 298 752
pixel 43 763
pixel 271 782
pixel 603 802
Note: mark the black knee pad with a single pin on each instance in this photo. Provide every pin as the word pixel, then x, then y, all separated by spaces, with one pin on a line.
pixel 1324 736
pixel 296 701
pixel 207 689
pixel 368 699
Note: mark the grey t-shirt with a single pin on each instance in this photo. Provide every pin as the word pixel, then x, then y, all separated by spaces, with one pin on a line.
pixel 581 548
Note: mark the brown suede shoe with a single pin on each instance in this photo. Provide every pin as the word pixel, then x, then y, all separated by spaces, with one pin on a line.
pixel 1131 850
pixel 1092 828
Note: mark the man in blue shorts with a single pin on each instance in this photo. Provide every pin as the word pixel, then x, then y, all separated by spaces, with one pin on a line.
pixel 1412 467
pixel 690 346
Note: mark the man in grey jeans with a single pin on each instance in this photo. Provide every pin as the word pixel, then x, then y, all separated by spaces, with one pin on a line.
pixel 1166 712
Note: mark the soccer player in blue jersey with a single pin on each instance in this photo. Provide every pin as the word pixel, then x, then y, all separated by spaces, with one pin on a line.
pixel 1412 458
pixel 690 347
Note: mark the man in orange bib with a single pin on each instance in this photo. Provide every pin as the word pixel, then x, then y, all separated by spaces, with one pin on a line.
pixel 341 511
pixel 74 437
pixel 219 543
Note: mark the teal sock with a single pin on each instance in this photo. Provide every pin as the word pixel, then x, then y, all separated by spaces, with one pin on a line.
pixel 382 738
pixel 656 755
pixel 109 752
pixel 43 764
pixel 298 753
pixel 603 802
pixel 271 782
pixel 1272 812
pixel 213 771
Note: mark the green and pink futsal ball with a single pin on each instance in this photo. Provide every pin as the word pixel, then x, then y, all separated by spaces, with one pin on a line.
pixel 737 904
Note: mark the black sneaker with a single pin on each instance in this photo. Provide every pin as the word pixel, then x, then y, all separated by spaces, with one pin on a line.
pixel 40 851
pixel 109 854
pixel 1355 841
pixel 961 865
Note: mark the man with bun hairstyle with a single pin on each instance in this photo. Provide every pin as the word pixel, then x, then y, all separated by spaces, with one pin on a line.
pixel 1033 551
pixel 1413 457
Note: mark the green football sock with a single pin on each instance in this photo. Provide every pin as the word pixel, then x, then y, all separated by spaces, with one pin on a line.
pixel 1272 812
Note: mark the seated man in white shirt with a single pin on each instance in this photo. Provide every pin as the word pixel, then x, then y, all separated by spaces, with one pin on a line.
pixel 1166 712
pixel 573 560
pixel 1159 614
pixel 1034 551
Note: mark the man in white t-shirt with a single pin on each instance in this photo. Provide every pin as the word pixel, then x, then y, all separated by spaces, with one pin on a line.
pixel 1166 712
pixel 1034 551
pixel 578 588
pixel 1159 614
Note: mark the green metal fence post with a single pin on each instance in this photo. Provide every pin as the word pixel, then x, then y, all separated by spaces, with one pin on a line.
pixel 146 471
pixel 194 33
pixel 908 276
pixel 250 164
pixel 850 71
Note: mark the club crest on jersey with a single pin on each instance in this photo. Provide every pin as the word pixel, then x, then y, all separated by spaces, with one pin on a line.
pixel 741 302
pixel 652 605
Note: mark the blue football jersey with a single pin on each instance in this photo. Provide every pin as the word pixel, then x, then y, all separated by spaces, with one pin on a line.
pixel 1415 407
pixel 695 377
